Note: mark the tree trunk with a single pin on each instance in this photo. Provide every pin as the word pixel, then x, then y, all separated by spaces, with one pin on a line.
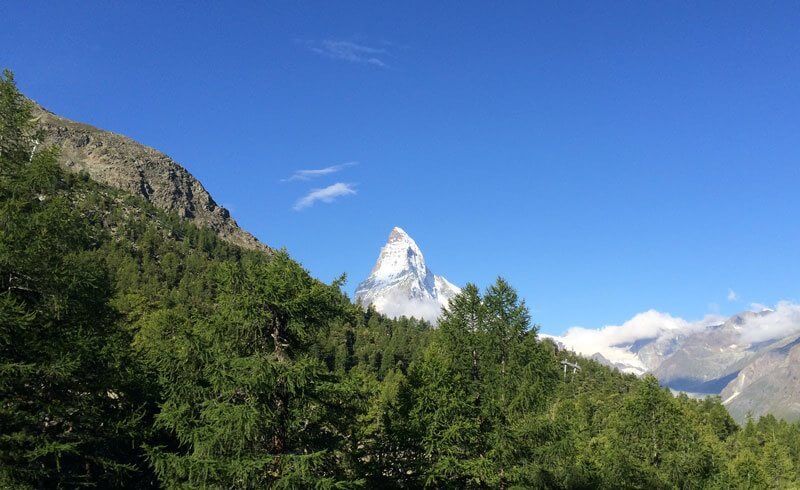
pixel 282 402
pixel 279 339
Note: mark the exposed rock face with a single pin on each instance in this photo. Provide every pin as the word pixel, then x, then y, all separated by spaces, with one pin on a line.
pixel 770 383
pixel 401 284
pixel 653 351
pixel 120 162
pixel 706 361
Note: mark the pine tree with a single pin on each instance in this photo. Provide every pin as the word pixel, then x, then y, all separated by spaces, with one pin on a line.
pixel 480 392
pixel 66 412
pixel 446 391
pixel 249 407
pixel 519 379
pixel 650 442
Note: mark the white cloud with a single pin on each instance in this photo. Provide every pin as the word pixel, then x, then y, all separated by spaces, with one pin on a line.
pixel 318 172
pixel 782 321
pixel 758 307
pixel 349 51
pixel 326 194
pixel 398 304
pixel 426 309
pixel 612 341
pixel 732 296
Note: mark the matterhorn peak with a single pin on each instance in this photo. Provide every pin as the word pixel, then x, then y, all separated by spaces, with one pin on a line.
pixel 401 284
pixel 398 232
pixel 399 256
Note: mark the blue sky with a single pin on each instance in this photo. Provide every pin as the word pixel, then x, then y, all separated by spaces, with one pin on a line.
pixel 605 157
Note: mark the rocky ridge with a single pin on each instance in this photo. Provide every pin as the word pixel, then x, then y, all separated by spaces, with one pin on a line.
pixel 125 164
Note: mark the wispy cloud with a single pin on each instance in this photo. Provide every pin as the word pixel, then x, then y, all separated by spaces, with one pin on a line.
pixel 326 194
pixel 732 296
pixel 350 52
pixel 318 172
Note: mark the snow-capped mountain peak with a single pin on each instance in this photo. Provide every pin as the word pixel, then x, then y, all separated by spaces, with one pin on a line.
pixel 399 256
pixel 401 284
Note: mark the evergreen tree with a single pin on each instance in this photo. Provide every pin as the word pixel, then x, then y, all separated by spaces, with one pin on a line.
pixel 480 393
pixel 519 378
pixel 247 404
pixel 650 443
pixel 446 384
pixel 67 413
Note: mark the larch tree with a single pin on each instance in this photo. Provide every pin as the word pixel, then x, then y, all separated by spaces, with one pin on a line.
pixel 66 416
pixel 249 407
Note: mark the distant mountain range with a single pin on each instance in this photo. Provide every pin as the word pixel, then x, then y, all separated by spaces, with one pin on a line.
pixel 401 284
pixel 752 373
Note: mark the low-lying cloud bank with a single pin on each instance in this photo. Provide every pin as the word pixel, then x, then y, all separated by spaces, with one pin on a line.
pixel 612 341
pixel 782 321
pixel 427 309
pixel 399 304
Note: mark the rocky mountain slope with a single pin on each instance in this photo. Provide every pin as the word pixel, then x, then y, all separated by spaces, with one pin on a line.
pixel 120 162
pixel 706 361
pixel 769 383
pixel 401 284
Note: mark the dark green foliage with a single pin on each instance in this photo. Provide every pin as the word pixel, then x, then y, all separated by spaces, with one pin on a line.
pixel 69 411
pixel 138 350
pixel 650 442
pixel 481 391
pixel 248 406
